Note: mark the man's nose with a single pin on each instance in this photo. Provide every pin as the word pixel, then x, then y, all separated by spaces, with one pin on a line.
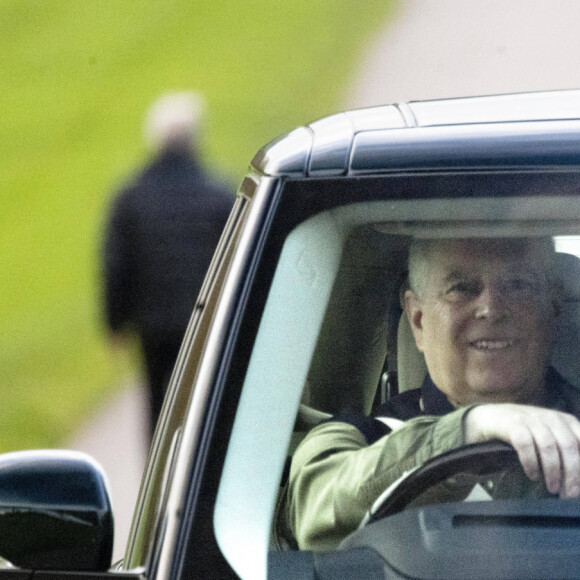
pixel 491 303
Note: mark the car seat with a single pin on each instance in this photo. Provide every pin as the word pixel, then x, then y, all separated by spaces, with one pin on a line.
pixel 564 352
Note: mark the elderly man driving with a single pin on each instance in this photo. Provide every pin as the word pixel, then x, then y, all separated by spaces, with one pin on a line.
pixel 483 313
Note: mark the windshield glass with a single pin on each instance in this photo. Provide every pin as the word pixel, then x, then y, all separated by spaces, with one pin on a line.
pixel 345 351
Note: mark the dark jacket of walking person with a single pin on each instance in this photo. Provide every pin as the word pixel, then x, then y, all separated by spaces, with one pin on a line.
pixel 162 231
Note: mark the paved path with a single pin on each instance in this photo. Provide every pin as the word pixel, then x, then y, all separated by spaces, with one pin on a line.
pixel 116 436
pixel 449 48
pixel 433 49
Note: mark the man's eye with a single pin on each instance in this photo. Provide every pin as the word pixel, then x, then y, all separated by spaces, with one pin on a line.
pixel 463 289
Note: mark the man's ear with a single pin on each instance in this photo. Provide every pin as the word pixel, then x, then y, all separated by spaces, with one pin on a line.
pixel 414 312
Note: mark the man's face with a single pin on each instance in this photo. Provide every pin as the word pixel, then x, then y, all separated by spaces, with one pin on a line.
pixel 484 320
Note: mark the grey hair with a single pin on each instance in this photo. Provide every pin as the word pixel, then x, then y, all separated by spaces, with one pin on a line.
pixel 419 256
pixel 174 121
pixel 420 252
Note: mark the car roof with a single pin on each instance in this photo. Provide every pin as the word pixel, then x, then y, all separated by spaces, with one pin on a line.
pixel 450 133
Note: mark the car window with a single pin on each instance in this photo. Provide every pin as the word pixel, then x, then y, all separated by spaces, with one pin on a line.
pixel 154 492
pixel 327 332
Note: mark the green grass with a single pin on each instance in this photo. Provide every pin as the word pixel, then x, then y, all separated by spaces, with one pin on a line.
pixel 76 78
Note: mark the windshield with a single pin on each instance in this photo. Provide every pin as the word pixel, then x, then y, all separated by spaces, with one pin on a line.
pixel 340 354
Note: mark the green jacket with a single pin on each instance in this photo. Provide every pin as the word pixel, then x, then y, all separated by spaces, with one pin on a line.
pixel 336 476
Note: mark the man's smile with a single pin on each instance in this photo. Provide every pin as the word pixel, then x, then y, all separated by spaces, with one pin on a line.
pixel 491 344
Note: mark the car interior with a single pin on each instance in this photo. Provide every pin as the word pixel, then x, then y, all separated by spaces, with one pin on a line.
pixel 345 344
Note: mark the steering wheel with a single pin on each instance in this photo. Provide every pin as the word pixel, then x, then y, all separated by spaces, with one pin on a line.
pixel 477 459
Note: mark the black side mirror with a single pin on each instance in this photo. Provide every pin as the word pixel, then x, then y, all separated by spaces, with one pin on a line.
pixel 55 511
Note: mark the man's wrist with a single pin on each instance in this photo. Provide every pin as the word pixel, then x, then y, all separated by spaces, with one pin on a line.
pixel 448 432
pixel 466 435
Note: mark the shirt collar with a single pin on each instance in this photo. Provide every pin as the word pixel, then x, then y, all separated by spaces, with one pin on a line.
pixel 556 387
pixel 434 401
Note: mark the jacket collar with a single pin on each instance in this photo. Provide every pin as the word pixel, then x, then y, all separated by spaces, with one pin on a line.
pixel 435 402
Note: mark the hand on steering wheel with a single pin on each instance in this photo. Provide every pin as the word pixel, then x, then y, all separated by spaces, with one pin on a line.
pixel 478 459
pixel 547 441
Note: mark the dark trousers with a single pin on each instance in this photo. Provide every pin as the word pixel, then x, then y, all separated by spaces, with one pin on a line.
pixel 160 357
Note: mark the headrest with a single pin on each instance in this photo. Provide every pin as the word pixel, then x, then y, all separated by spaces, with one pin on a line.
pixel 564 351
pixel 568 272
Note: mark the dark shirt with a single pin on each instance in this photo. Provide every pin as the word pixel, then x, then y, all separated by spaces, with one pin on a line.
pixel 560 395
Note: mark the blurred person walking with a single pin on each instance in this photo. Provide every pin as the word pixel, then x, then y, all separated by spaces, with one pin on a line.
pixel 160 236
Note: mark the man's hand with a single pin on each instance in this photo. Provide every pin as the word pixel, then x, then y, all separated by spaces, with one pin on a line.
pixel 546 441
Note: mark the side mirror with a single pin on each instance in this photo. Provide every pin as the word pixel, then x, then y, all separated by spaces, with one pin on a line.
pixel 55 511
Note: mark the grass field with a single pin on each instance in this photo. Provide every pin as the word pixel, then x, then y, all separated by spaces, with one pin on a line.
pixel 76 78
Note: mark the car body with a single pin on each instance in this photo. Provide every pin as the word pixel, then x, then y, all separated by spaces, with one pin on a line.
pixel 298 319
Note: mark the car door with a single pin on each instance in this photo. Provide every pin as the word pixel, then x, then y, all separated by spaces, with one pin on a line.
pixel 298 317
